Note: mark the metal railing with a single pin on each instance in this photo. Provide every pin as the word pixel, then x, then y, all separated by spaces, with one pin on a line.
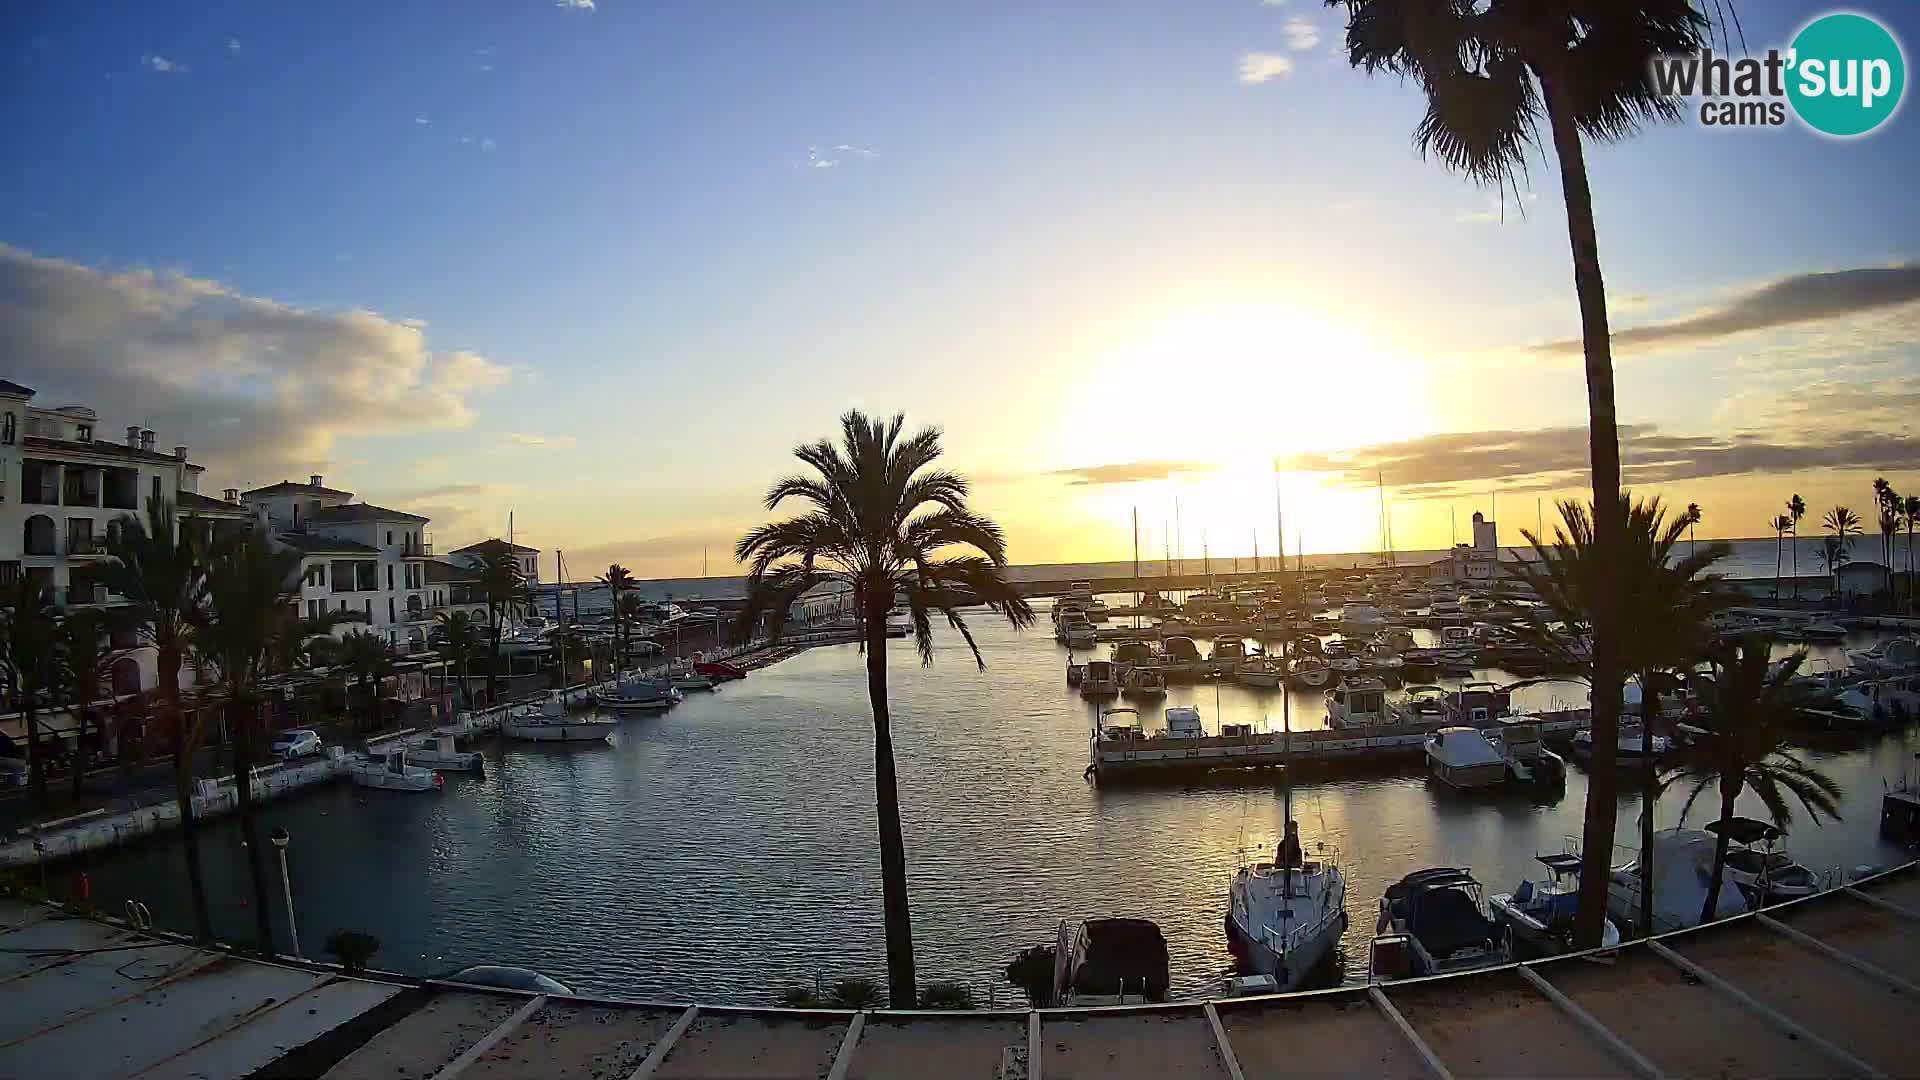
pixel 421 550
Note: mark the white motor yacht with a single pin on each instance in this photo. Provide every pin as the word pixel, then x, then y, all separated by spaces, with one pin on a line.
pixel 1260 672
pixel 1682 867
pixel 1540 913
pixel 1144 682
pixel 551 722
pixel 1358 702
pixel 1183 722
pixel 1894 656
pixel 1528 760
pixel 1763 874
pixel 636 694
pixel 1463 757
pixel 390 772
pixel 1100 680
pixel 442 753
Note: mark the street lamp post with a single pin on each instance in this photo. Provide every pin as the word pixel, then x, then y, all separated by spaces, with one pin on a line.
pixel 280 841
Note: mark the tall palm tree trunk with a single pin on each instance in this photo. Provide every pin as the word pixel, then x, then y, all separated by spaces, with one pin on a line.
pixel 36 769
pixel 1609 525
pixel 1793 546
pixel 241 721
pixel 1777 552
pixel 183 790
pixel 1729 791
pixel 901 993
pixel 1649 794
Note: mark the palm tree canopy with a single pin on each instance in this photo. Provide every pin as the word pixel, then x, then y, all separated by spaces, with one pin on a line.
pixel 160 570
pixel 504 585
pixel 1667 599
pixel 246 604
pixel 1797 506
pixel 879 516
pixel 1842 523
pixel 29 635
pixel 1481 66
pixel 463 637
pixel 1754 702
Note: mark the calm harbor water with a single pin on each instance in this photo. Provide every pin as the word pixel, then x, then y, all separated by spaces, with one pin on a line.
pixel 724 851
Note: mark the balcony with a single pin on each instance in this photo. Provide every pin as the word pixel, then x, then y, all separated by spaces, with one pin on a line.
pixel 417 615
pixel 86 546
pixel 420 549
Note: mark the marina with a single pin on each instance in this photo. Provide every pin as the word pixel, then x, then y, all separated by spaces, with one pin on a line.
pixel 737 795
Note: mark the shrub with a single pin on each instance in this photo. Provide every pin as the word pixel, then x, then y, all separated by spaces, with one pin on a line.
pixel 858 992
pixel 946 995
pixel 353 948
pixel 1032 972
pixel 800 998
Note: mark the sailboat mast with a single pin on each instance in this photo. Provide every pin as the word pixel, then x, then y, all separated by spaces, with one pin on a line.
pixel 1136 568
pixel 1279 523
pixel 1179 535
pixel 1286 771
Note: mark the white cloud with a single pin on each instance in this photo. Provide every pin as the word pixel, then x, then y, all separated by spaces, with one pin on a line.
pixel 488 144
pixel 857 151
pixel 543 442
pixel 258 389
pixel 233 44
pixel 1273 3
pixel 817 160
pixel 1258 67
pixel 163 65
pixel 466 140
pixel 1301 34
pixel 422 120
pixel 574 5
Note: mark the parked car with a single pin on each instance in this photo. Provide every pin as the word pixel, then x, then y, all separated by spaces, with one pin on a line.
pixel 296 743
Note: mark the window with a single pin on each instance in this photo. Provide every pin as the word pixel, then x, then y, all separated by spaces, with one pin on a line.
pixel 313 609
pixel 156 487
pixel 83 433
pixel 7 431
pixel 389 566
pixel 390 615
pixel 369 609
pixel 389 536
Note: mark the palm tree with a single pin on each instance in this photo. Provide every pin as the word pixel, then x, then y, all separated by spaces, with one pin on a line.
pixel 1490 73
pixel 1796 509
pixel 1845 525
pixel 86 658
pixel 246 599
pixel 1781 525
pixel 632 610
pixel 364 655
pixel 880 519
pixel 505 586
pixel 1889 522
pixel 1693 522
pixel 1667 604
pixel 30 660
pixel 1883 495
pixel 462 640
pixel 1910 509
pixel 618 579
pixel 161 570
pixel 1754 701
pixel 1832 554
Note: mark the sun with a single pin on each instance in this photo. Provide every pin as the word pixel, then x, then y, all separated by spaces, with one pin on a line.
pixel 1240 386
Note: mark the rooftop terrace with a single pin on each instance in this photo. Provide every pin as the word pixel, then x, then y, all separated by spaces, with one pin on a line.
pixel 1822 987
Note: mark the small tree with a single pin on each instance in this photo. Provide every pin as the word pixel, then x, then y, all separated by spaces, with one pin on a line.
pixel 353 948
pixel 30 660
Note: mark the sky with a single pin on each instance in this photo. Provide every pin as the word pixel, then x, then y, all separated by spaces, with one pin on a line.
pixel 602 265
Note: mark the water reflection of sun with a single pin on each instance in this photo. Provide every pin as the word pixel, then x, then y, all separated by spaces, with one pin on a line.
pixel 1222 394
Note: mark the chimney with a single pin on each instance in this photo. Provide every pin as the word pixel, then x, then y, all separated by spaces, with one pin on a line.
pixel 133 436
pixel 314 480
pixel 232 495
pixel 146 439
pixel 179 453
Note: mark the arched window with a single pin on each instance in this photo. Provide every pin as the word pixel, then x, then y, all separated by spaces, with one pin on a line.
pixel 40 538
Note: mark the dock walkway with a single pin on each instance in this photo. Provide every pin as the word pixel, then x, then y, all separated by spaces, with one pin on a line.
pixel 1818 987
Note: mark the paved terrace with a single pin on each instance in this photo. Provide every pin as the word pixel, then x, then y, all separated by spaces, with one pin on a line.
pixel 1821 987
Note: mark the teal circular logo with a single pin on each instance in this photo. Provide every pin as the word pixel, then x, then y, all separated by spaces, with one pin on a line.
pixel 1846 75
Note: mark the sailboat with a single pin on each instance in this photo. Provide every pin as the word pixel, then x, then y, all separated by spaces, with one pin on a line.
pixel 1284 916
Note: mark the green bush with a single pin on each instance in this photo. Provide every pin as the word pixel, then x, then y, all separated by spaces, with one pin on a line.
pixel 800 998
pixel 946 995
pixel 1032 972
pixel 856 993
pixel 353 948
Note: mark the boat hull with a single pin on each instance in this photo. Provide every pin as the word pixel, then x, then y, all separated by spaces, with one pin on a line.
pixel 1289 973
pixel 558 732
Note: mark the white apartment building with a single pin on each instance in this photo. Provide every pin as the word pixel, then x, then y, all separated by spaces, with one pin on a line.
pixel 528 558
pixel 61 486
pixel 355 557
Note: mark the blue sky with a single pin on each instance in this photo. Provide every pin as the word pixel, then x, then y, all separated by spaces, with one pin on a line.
pixel 619 259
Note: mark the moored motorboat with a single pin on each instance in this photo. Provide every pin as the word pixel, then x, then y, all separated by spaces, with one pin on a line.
pixel 719 671
pixel 1682 866
pixel 1110 962
pixel 390 772
pixel 1144 682
pixel 1359 701
pixel 1308 671
pixel 1100 680
pixel 1527 759
pixel 551 723
pixel 1434 922
pixel 1463 757
pixel 1540 914
pixel 1763 874
pixel 443 753
pixel 636 694
pixel 1284 917
pixel 1260 672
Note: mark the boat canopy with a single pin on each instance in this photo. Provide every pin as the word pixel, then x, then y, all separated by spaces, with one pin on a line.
pixel 1744 830
pixel 1561 862
pixel 1462 748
